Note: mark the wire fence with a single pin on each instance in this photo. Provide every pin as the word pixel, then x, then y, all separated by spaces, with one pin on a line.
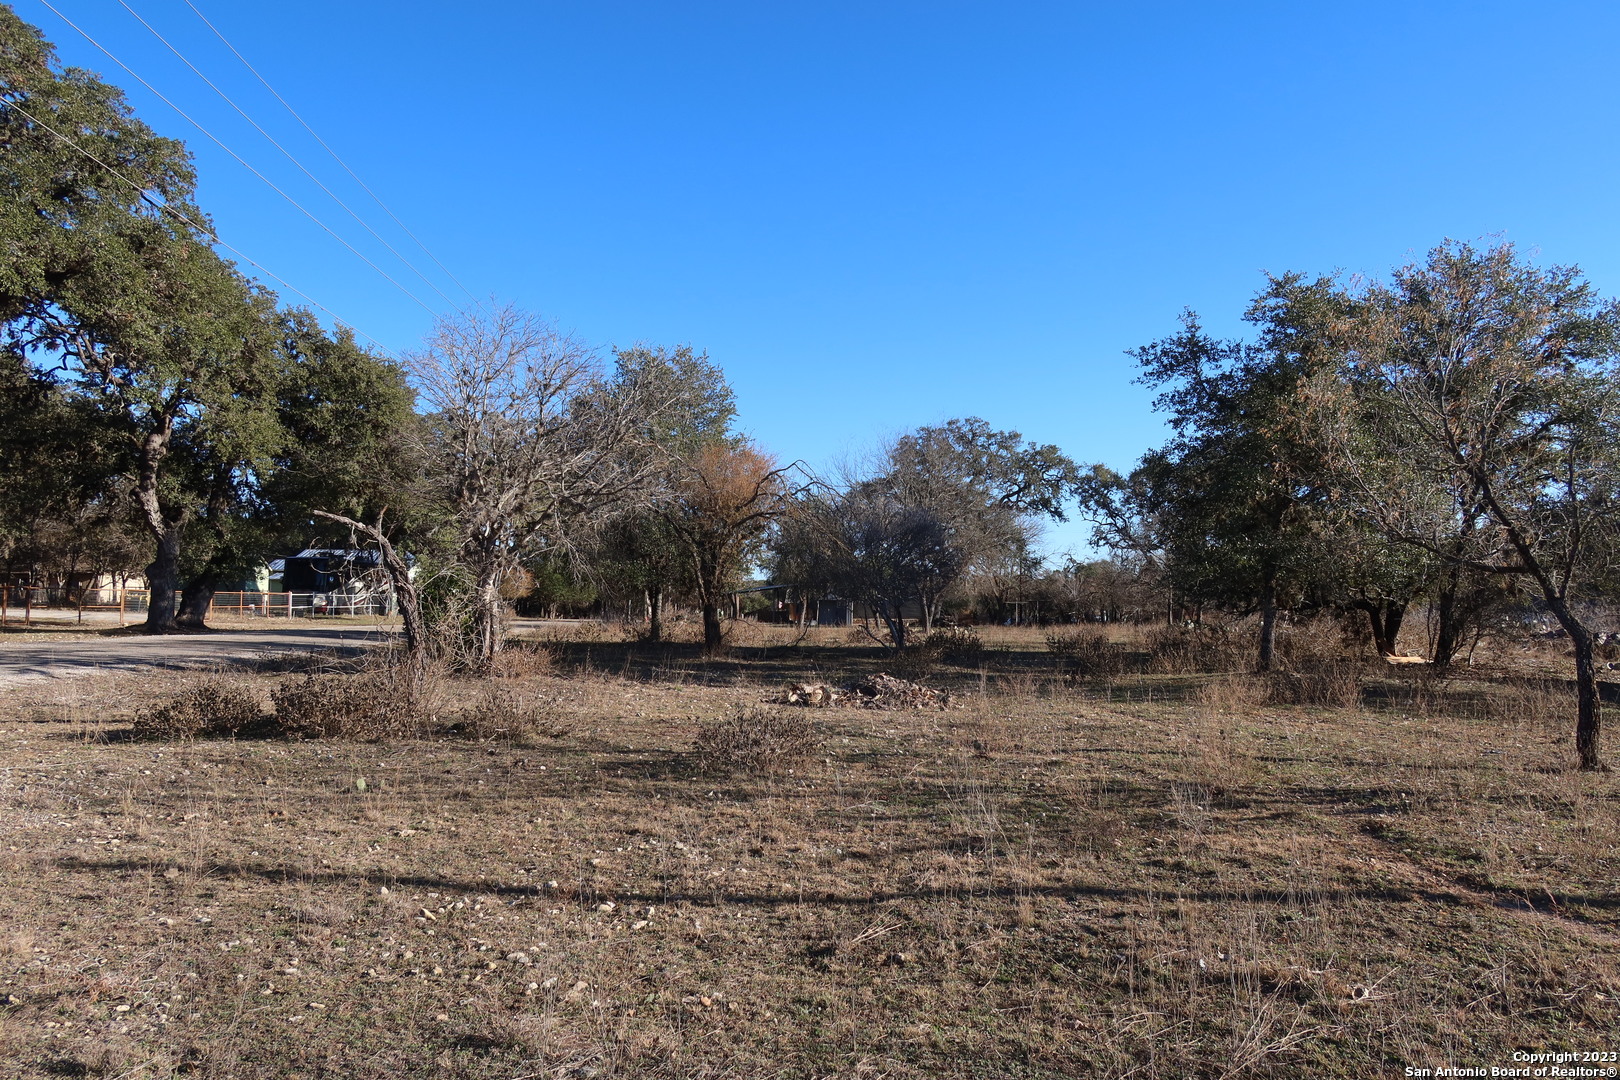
pixel 22 605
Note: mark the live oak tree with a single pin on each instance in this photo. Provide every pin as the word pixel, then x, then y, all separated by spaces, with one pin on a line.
pixel 1227 504
pixel 61 509
pixel 337 435
pixel 692 408
pixel 108 276
pixel 1475 387
pixel 86 183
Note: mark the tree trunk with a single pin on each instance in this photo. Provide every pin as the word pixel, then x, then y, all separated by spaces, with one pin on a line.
pixel 896 623
pixel 399 576
pixel 1588 709
pixel 163 578
pixel 163 573
pixel 1384 617
pixel 1268 629
pixel 1394 615
pixel 195 600
pixel 487 615
pixel 655 614
pixel 712 639
pixel 1448 625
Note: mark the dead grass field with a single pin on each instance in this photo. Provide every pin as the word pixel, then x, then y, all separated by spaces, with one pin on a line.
pixel 1139 876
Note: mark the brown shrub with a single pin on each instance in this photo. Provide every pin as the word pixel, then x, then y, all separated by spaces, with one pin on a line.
pixel 958 644
pixel 523 660
pixel 393 697
pixel 1322 639
pixel 511 714
pixel 1085 653
pixel 914 662
pixel 749 633
pixel 205 708
pixel 1174 651
pixel 1333 684
pixel 762 741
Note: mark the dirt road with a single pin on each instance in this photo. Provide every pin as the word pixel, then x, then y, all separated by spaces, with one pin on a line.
pixel 42 658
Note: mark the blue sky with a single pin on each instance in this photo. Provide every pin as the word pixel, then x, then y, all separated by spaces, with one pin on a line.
pixel 881 215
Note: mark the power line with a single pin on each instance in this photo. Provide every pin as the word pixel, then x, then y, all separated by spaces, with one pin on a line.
pixel 335 157
pixel 164 207
pixel 242 161
pixel 286 153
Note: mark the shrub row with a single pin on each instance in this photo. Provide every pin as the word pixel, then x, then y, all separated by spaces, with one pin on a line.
pixel 387 700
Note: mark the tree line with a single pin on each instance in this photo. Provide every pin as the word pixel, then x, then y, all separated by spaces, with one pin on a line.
pixel 1443 438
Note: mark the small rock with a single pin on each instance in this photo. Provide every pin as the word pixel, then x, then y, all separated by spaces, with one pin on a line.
pixel 172 872
pixel 606 906
pixel 442 1017
pixel 518 957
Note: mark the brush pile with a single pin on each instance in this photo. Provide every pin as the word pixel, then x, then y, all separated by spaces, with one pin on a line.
pixel 881 691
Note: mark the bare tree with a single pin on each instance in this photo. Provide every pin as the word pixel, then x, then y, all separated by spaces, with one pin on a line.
pixel 527 434
pixel 986 489
pixel 399 576
pixel 869 547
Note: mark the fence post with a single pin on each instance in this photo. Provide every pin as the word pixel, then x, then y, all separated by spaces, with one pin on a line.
pixel 5 600
pixel 28 606
pixel 122 590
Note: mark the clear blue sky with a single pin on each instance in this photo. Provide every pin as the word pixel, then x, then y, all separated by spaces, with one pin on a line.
pixel 881 215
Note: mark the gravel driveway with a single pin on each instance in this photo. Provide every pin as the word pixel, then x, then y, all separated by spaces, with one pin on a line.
pixel 43 658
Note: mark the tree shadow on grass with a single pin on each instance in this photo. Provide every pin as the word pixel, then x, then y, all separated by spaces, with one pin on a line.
pixel 720 896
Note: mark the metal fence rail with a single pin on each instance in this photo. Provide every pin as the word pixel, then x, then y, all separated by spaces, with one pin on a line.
pixel 22 605
pixel 301 605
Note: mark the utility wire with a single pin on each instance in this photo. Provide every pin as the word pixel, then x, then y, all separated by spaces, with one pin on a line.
pixel 353 175
pixel 287 154
pixel 164 207
pixel 268 182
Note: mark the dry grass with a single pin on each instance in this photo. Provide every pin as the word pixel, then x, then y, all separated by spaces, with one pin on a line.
pixel 1041 884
